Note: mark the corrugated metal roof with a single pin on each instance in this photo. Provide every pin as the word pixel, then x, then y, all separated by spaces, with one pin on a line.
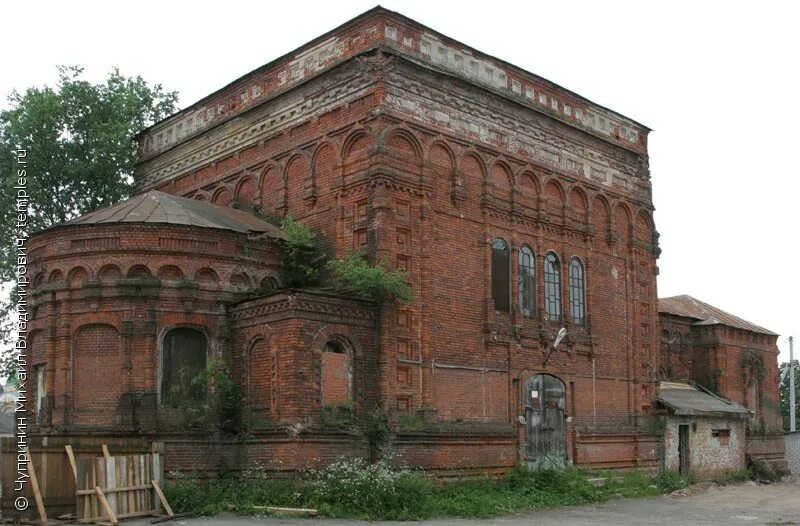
pixel 159 207
pixel 685 399
pixel 705 314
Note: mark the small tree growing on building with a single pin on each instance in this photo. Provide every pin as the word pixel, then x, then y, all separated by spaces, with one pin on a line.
pixel 302 261
pixel 355 276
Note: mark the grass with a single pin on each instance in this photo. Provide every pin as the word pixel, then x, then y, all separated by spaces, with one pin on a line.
pixel 354 489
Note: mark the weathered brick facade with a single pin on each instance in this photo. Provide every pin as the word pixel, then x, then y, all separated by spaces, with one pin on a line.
pixel 394 141
pixel 390 139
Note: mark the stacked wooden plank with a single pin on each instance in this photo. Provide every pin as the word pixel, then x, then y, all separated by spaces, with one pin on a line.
pixel 113 488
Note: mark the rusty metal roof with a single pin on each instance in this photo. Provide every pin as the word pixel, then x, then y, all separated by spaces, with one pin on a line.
pixel 162 208
pixel 685 399
pixel 705 314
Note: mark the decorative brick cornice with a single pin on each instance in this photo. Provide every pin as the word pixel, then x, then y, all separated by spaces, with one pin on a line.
pixel 294 303
pixel 393 34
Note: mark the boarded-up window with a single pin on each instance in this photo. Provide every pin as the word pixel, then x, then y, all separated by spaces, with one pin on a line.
pixel 500 278
pixel 260 375
pixel 183 360
pixel 335 374
pixel 97 375
pixel 752 398
pixel 723 435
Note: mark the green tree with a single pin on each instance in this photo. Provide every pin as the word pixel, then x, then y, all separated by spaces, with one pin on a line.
pixel 80 151
pixel 784 391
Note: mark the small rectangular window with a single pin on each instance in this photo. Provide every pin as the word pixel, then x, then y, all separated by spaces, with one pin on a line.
pixel 723 435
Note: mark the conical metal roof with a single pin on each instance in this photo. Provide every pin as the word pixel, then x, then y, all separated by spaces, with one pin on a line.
pixel 161 208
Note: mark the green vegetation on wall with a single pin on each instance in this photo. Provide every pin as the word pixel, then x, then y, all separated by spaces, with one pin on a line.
pixel 355 276
pixel 305 265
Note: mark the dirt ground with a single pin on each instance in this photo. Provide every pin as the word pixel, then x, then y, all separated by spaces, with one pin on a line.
pixel 701 505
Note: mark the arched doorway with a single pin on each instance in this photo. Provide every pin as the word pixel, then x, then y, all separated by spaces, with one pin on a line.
pixel 545 441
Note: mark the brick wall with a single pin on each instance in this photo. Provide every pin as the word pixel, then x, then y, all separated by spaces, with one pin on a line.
pixel 739 364
pixel 97 375
pixel 793 452
pixel 716 445
pixel 434 214
pixel 105 295
pixel 295 328
pixel 769 451
pixel 335 377
pixel 421 172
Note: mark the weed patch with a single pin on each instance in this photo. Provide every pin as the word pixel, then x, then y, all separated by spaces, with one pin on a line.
pixel 734 477
pixel 668 481
pixel 356 489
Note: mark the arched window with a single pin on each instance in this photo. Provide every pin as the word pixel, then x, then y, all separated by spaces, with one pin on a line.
pixel 752 397
pixel 527 282
pixel 577 292
pixel 183 358
pixel 500 278
pixel 336 374
pixel 552 287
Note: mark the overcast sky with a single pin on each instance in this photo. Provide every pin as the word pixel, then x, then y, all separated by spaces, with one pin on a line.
pixel 717 82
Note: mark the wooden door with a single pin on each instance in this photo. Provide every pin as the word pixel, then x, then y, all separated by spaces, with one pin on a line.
pixel 683 449
pixel 545 440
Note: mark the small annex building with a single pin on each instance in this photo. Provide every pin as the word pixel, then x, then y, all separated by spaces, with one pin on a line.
pixel 704 434
pixel 732 409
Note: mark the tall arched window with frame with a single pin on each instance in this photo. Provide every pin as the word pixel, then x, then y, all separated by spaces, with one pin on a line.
pixel 500 275
pixel 552 287
pixel 527 282
pixel 577 292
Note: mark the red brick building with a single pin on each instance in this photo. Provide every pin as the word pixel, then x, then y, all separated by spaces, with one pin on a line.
pixel 735 361
pixel 517 207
